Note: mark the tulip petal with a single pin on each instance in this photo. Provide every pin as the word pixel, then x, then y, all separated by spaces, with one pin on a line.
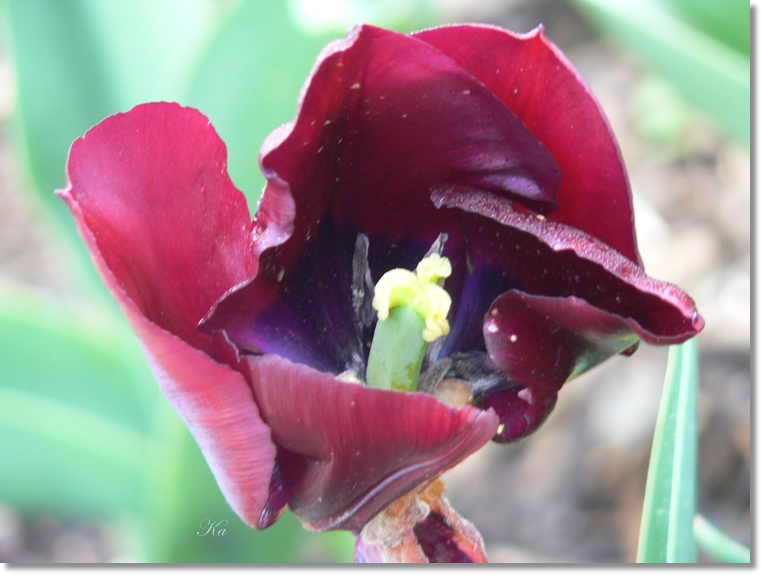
pixel 540 343
pixel 168 233
pixel 539 84
pixel 347 450
pixel 420 527
pixel 383 118
pixel 480 287
pixel 153 189
pixel 547 258
pixel 307 316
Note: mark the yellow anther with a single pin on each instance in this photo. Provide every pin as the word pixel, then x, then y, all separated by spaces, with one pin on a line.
pixel 421 290
pixel 433 269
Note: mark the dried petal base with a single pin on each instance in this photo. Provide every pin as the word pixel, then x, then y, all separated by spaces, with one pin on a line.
pixel 420 527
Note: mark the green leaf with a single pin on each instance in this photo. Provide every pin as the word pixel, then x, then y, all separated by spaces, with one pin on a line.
pixel 58 457
pixel 80 61
pixel 75 407
pixel 63 89
pixel 666 530
pixel 249 81
pixel 64 84
pixel 337 17
pixel 717 544
pixel 709 73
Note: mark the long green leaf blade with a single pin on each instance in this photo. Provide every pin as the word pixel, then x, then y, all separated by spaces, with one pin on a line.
pixel 666 530
pixel 711 74
pixel 717 544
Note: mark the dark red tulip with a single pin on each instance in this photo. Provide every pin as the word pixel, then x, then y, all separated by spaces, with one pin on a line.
pixel 259 332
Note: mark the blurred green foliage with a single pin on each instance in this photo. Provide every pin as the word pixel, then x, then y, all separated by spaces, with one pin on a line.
pixel 701 46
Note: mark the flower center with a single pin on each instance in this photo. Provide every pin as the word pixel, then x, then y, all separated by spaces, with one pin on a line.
pixel 412 312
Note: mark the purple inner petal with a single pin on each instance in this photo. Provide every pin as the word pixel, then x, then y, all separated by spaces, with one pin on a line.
pixel 306 314
pixel 480 287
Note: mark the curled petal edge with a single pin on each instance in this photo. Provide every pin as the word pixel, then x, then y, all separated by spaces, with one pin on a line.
pixel 536 80
pixel 562 238
pixel 347 450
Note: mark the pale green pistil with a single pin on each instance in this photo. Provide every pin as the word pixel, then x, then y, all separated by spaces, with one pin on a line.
pixel 412 312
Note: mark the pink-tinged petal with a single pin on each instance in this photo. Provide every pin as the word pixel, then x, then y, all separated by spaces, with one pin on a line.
pixel 546 258
pixel 142 227
pixel 152 187
pixel 538 83
pixel 347 450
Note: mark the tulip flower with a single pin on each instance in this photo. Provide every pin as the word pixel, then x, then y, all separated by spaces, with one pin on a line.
pixel 473 155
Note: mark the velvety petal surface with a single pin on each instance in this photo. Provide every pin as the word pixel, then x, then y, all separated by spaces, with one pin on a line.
pixel 347 450
pixel 168 233
pixel 308 317
pixel 383 119
pixel 546 258
pixel 153 189
pixel 538 83
pixel 540 343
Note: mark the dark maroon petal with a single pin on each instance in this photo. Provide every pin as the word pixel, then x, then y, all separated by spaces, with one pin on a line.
pixel 153 189
pixel 276 501
pixel 437 540
pixel 420 527
pixel 538 83
pixel 551 259
pixel 383 118
pixel 306 317
pixel 346 450
pixel 520 412
pixel 540 343
pixel 168 233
